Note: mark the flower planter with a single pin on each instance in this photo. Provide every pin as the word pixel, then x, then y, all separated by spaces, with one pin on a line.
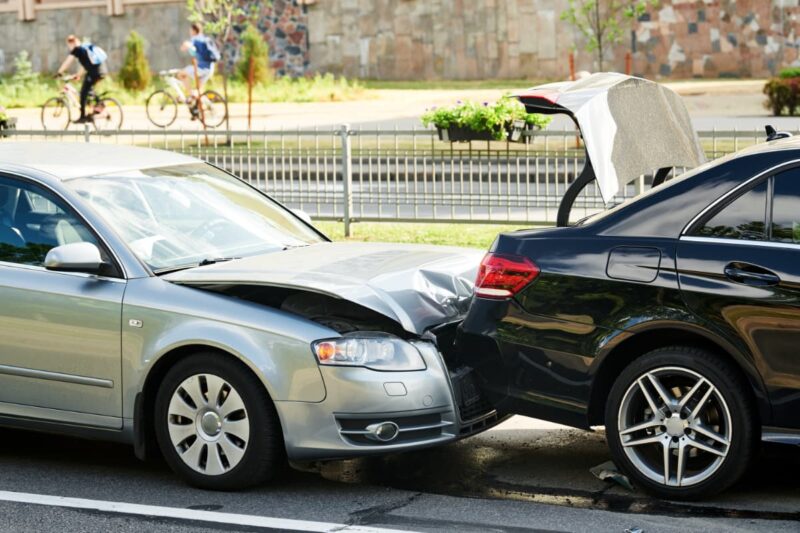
pixel 8 123
pixel 461 134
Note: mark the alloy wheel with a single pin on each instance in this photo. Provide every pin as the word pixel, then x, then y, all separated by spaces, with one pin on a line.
pixel 674 426
pixel 208 424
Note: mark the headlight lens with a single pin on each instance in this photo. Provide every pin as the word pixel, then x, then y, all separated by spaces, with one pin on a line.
pixel 378 352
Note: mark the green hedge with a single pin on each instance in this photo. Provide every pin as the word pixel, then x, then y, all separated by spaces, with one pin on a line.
pixel 783 95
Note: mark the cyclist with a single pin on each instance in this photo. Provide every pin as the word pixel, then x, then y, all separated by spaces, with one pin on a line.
pixel 92 60
pixel 205 51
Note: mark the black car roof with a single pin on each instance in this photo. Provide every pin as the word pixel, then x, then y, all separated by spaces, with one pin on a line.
pixel 666 210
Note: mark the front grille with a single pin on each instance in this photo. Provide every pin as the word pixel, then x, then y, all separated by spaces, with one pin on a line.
pixel 470 400
pixel 412 428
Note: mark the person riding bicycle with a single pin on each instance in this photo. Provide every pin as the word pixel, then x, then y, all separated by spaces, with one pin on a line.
pixel 205 51
pixel 92 60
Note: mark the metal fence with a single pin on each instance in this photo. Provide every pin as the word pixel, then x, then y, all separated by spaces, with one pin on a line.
pixel 399 175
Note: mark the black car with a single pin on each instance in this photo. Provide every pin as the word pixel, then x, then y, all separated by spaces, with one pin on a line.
pixel 672 319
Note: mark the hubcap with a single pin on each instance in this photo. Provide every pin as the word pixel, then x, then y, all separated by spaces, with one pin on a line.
pixel 208 424
pixel 675 426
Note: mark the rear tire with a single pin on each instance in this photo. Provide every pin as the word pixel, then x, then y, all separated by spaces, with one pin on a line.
pixel 161 109
pixel 680 424
pixel 111 117
pixel 55 114
pixel 214 109
pixel 215 424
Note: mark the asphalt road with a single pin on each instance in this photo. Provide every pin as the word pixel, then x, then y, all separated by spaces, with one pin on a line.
pixel 522 476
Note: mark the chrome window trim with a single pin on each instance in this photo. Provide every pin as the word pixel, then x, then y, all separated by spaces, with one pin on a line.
pixel 772 170
pixel 743 242
pixel 27 179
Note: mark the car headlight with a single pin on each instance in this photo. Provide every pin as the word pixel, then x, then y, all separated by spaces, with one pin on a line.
pixel 375 351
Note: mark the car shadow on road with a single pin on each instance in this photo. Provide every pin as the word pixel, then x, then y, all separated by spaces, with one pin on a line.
pixel 536 465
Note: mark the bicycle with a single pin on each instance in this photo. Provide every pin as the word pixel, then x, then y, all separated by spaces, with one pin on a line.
pixel 162 105
pixel 105 113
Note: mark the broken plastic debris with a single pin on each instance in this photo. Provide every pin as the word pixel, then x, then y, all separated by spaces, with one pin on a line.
pixel 608 471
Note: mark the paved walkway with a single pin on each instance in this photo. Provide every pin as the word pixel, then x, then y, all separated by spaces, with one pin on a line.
pixel 712 103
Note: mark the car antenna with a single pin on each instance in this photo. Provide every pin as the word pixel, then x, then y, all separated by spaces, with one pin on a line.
pixel 772 134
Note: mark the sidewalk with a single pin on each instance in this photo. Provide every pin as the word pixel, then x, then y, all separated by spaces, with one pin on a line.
pixel 712 103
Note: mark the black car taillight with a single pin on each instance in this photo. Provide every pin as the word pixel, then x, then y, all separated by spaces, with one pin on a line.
pixel 502 275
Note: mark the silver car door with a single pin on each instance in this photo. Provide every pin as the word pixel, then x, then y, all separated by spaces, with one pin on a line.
pixel 60 332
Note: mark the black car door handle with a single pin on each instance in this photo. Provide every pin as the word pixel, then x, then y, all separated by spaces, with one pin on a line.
pixel 751 274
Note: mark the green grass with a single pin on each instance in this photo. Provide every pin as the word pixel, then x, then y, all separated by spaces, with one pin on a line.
pixel 424 85
pixel 465 235
pixel 320 88
pixel 317 89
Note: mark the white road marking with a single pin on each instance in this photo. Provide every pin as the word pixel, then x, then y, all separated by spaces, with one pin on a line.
pixel 187 514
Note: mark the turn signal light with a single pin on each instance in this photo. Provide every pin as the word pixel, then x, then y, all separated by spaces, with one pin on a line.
pixel 326 351
pixel 503 275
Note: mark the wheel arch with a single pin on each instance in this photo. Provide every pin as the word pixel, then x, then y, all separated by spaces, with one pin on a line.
pixel 628 346
pixel 145 445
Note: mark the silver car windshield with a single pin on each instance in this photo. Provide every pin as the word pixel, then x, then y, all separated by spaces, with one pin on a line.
pixel 186 215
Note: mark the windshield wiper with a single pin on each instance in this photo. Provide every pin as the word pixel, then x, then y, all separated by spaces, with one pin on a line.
pixel 211 260
pixel 204 262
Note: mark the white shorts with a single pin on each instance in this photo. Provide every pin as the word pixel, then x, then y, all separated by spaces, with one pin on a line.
pixel 203 73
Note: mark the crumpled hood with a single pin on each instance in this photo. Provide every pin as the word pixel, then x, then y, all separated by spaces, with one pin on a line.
pixel 418 286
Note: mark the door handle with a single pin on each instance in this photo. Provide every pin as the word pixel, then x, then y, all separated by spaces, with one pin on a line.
pixel 751 274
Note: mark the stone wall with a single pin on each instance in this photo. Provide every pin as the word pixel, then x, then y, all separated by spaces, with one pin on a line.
pixel 717 38
pixel 428 39
pixel 284 27
pixel 442 39
pixel 162 25
pixel 464 39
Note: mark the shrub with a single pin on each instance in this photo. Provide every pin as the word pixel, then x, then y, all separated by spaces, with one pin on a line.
pixel 790 72
pixel 23 71
pixel 135 72
pixel 253 46
pixel 783 95
pixel 486 117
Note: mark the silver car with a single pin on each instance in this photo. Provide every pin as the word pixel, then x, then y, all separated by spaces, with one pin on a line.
pixel 150 298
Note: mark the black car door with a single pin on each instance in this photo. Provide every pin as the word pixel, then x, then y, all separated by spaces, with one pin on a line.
pixel 739 269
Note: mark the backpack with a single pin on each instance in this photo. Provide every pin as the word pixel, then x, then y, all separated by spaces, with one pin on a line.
pixel 97 55
pixel 208 52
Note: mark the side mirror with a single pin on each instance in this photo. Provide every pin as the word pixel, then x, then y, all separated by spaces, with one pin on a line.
pixel 302 215
pixel 75 257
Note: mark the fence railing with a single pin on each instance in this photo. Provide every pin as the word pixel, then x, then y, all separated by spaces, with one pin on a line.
pixel 399 175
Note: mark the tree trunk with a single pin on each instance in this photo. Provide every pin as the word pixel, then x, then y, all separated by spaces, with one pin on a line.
pixel 224 75
pixel 599 35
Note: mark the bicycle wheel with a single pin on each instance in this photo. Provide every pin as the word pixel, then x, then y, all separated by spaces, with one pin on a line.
pixel 107 114
pixel 162 108
pixel 55 114
pixel 213 114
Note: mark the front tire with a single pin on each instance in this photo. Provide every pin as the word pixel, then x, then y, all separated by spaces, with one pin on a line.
pixel 55 114
pixel 680 423
pixel 215 424
pixel 161 108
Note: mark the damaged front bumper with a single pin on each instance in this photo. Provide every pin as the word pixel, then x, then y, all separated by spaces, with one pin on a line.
pixel 416 409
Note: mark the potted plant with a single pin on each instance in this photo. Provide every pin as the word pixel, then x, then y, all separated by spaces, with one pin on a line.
pixel 6 122
pixel 503 120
